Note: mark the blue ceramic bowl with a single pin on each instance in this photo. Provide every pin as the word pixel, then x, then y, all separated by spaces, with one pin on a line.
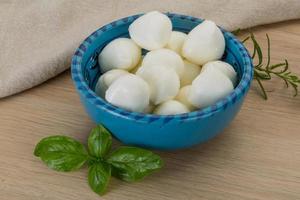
pixel 158 132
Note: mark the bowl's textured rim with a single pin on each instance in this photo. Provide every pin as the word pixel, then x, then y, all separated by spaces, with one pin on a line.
pixel 100 103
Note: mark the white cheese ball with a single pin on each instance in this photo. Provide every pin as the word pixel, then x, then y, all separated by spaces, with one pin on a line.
pixel 134 70
pixel 129 92
pixel 151 31
pixel 163 81
pixel 149 108
pixel 191 71
pixel 209 87
pixel 182 97
pixel 176 41
pixel 164 57
pixel 204 43
pixel 171 107
pixel 223 67
pixel 121 53
pixel 106 79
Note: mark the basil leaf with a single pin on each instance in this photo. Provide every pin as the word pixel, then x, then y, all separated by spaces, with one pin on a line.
pixel 61 153
pixel 98 178
pixel 99 142
pixel 132 163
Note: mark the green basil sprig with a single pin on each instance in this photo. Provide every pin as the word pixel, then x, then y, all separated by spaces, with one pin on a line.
pixel 132 164
pixel 61 153
pixel 65 154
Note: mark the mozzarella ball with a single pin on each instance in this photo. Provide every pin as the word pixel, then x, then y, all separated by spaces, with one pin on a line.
pixel 151 31
pixel 182 97
pixel 223 67
pixel 134 70
pixel 106 79
pixel 163 81
pixel 209 87
pixel 176 41
pixel 129 92
pixel 121 53
pixel 204 43
pixel 191 71
pixel 171 107
pixel 149 108
pixel 164 57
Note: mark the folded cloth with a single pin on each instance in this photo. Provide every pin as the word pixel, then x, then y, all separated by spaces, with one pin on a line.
pixel 38 37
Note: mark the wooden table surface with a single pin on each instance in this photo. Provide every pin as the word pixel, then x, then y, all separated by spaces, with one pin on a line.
pixel 256 157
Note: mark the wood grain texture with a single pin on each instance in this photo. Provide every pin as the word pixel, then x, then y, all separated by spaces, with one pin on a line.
pixel 257 156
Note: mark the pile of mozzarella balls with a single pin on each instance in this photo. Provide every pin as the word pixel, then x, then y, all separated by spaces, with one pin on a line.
pixel 179 74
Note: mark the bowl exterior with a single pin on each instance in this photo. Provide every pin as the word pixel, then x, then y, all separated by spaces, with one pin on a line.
pixel 161 133
pixel 152 131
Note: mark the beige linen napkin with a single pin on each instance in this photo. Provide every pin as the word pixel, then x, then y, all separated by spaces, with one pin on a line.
pixel 38 37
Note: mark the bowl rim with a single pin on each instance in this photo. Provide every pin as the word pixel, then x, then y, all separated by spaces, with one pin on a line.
pixel 82 87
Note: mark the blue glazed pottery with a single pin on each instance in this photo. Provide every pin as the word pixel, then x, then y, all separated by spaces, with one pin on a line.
pixel 152 131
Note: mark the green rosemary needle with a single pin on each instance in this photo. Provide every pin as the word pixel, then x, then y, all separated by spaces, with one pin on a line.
pixel 265 72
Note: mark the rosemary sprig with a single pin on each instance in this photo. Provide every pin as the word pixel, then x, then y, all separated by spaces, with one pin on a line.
pixel 264 72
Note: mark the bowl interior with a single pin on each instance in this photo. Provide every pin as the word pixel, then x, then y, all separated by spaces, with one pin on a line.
pixel 235 54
